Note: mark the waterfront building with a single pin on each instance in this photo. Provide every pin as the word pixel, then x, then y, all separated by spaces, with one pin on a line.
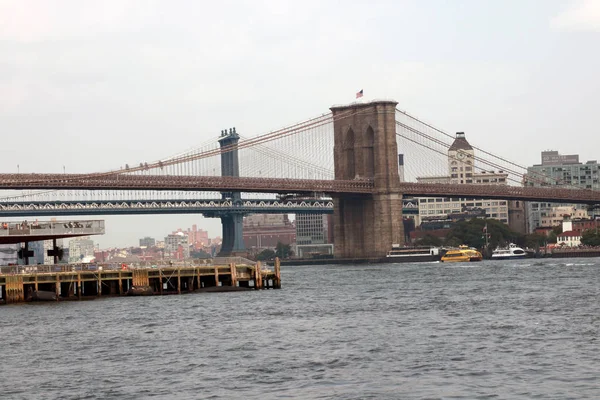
pixel 583 225
pixel 569 238
pixel 262 231
pixel 311 229
pixel 312 235
pixel 461 170
pixel 558 170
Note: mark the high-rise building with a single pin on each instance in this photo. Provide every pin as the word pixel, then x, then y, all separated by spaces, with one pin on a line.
pixel 461 170
pixel 311 229
pixel 147 242
pixel 177 246
pixel 9 253
pixel 40 251
pixel 313 232
pixel 197 238
pixel 558 170
pixel 81 250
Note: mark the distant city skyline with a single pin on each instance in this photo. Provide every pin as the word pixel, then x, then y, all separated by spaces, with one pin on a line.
pixel 93 86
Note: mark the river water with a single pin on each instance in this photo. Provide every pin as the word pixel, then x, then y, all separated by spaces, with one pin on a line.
pixel 496 329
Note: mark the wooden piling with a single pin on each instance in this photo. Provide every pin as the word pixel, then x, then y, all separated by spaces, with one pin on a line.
pixel 160 281
pixel 258 280
pixel 277 280
pixel 140 277
pixel 14 289
pixel 233 272
pixel 178 280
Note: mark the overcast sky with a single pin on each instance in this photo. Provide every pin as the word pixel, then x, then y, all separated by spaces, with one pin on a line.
pixel 92 85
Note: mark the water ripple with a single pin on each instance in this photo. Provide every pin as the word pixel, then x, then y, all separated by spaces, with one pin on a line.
pixel 492 330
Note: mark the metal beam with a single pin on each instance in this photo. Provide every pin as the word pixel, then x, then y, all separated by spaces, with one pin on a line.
pixel 210 208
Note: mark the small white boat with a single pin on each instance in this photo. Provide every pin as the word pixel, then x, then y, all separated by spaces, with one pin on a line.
pixel 513 252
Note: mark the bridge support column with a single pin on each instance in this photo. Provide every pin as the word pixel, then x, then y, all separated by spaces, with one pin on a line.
pixel 233 240
pixel 365 148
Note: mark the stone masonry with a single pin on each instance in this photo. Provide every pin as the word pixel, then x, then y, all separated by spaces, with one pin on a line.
pixel 365 148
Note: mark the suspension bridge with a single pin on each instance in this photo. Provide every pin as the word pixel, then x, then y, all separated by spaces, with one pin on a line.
pixel 347 158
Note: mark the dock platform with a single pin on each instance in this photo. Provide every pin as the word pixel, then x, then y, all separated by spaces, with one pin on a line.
pixel 62 282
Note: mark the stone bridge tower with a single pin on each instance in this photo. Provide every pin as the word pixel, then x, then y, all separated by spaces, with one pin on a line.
pixel 365 148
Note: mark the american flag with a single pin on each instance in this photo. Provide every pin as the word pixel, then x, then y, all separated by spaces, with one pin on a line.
pixel 359 94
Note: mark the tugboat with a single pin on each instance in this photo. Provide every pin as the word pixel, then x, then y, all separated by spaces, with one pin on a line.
pixel 513 252
pixel 462 254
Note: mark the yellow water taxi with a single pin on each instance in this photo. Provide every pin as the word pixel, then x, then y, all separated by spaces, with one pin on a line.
pixel 462 254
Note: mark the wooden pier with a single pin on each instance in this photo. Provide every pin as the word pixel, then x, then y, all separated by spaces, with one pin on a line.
pixel 81 282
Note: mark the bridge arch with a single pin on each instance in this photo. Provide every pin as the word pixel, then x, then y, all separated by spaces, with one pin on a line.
pixel 369 153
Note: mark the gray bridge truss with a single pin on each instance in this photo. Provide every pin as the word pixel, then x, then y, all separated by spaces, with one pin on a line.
pixel 210 208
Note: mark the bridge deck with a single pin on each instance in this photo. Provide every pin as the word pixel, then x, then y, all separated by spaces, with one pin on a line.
pixel 121 181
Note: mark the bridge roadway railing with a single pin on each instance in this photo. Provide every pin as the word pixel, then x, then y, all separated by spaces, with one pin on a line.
pixel 174 182
pixel 118 181
pixel 556 195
